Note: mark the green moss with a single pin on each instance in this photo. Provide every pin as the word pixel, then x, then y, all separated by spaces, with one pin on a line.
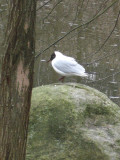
pixel 60 119
pixel 72 122
pixel 97 109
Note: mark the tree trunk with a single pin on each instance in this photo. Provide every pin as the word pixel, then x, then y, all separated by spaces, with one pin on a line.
pixel 17 79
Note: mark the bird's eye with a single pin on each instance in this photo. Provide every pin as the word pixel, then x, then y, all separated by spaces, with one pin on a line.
pixel 52 56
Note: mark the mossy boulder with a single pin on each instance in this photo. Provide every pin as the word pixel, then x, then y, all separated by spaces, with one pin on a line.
pixel 73 122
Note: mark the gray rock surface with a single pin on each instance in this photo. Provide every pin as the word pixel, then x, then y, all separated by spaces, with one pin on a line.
pixel 73 122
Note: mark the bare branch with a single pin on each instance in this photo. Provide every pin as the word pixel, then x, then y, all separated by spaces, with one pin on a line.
pixel 107 37
pixel 43 5
pixel 105 56
pixel 102 79
pixel 93 16
pixel 52 9
pixel 77 10
pixel 101 6
pixel 87 23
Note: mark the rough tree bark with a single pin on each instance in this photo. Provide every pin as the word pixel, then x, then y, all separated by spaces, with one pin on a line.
pixel 17 79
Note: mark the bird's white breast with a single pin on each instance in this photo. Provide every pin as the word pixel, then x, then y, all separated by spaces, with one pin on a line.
pixel 57 61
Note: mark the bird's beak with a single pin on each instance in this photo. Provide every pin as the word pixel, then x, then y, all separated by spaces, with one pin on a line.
pixel 48 61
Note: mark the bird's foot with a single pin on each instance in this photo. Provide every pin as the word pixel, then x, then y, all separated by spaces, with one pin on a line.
pixel 62 79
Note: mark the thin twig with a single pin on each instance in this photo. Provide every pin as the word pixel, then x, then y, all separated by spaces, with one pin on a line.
pixel 77 11
pixel 106 38
pixel 105 56
pixel 93 17
pixel 52 9
pixel 104 77
pixel 43 5
pixel 101 6
pixel 76 29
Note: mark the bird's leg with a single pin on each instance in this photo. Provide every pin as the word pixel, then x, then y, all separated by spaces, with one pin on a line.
pixel 62 79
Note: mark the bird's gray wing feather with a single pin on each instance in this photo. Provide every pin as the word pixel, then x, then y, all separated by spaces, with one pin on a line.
pixel 69 65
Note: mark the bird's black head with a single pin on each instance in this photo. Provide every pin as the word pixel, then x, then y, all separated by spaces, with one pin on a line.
pixel 52 57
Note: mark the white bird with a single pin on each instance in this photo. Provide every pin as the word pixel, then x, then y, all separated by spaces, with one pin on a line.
pixel 66 66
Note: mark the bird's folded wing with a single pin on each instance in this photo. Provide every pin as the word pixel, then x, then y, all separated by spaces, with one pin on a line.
pixel 69 65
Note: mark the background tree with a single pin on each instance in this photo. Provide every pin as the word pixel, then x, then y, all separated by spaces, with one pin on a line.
pixel 17 79
pixel 94 37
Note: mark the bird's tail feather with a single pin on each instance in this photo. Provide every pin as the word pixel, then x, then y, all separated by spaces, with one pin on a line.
pixel 84 74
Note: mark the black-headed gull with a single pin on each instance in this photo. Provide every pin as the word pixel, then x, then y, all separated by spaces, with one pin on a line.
pixel 66 66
